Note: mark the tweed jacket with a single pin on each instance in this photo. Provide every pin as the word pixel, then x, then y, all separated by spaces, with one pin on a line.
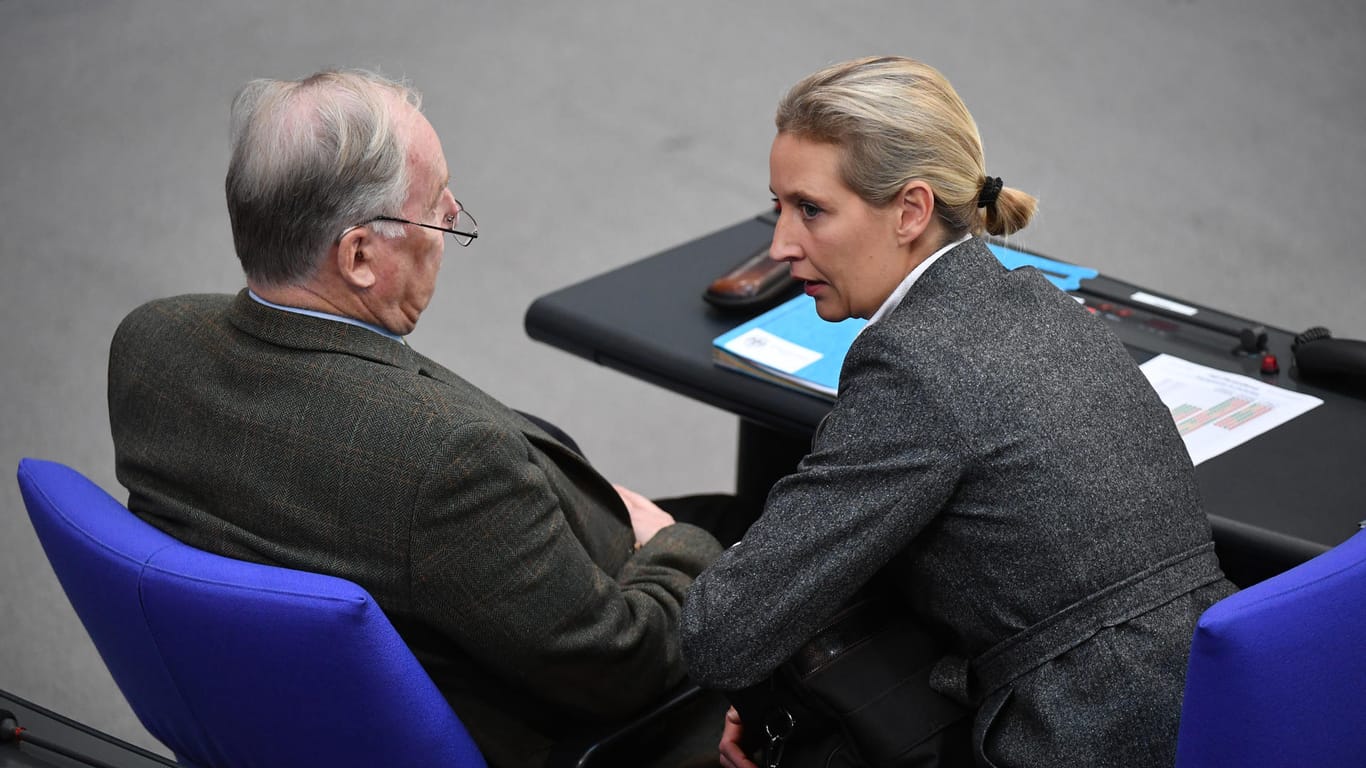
pixel 503 559
pixel 996 453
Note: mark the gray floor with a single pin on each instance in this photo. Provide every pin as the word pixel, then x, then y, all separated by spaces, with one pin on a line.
pixel 1213 149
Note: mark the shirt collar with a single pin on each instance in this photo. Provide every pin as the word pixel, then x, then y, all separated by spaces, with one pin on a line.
pixel 327 316
pixel 905 285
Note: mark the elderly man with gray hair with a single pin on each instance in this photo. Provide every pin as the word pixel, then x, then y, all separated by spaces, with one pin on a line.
pixel 291 424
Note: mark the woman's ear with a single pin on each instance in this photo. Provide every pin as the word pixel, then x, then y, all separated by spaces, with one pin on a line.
pixel 915 204
pixel 354 258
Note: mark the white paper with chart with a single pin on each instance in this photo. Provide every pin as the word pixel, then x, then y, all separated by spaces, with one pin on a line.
pixel 1216 410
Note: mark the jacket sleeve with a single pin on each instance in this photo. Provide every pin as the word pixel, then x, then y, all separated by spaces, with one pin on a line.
pixel 496 566
pixel 883 463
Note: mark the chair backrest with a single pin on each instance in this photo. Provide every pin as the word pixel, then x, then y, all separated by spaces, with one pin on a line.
pixel 232 663
pixel 1277 671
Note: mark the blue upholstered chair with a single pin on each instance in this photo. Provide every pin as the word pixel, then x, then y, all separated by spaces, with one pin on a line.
pixel 236 664
pixel 1277 672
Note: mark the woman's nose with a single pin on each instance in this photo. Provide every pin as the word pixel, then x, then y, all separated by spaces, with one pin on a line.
pixel 783 248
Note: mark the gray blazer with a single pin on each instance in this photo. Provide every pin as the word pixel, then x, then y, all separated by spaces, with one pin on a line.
pixel 503 559
pixel 995 451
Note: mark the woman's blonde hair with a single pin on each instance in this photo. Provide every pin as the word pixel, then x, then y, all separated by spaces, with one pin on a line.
pixel 898 119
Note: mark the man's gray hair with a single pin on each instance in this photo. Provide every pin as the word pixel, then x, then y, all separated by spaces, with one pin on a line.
pixel 310 158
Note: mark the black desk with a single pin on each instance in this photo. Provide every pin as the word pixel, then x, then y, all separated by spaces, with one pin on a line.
pixel 1275 501
pixel 101 749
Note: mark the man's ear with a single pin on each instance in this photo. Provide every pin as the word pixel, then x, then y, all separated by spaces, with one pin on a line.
pixel 355 258
pixel 915 206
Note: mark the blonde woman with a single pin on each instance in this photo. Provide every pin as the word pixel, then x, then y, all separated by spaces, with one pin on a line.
pixel 994 453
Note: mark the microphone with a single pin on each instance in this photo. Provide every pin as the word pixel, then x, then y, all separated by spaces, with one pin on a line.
pixel 1329 362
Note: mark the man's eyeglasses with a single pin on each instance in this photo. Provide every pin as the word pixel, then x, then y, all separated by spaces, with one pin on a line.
pixel 462 227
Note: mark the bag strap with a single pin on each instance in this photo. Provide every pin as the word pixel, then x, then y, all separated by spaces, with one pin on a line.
pixel 971 681
pixel 851 626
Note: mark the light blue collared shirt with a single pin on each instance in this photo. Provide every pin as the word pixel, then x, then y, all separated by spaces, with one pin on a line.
pixel 327 316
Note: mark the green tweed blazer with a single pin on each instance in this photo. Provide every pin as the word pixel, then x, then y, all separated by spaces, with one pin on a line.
pixel 503 559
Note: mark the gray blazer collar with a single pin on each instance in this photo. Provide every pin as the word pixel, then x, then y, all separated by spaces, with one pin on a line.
pixel 969 263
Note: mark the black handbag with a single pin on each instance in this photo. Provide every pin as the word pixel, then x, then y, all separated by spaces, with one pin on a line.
pixel 857 694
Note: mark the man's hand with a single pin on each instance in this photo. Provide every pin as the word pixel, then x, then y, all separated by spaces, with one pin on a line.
pixel 732 755
pixel 646 516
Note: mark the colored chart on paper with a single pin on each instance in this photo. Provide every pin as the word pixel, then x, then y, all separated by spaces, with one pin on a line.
pixel 1215 410
pixel 1229 413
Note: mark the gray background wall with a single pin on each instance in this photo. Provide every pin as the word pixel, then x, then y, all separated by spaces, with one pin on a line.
pixel 1212 149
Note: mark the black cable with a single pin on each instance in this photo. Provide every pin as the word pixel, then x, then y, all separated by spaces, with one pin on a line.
pixel 10 730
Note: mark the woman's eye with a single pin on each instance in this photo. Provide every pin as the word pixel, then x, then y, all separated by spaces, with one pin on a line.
pixel 809 210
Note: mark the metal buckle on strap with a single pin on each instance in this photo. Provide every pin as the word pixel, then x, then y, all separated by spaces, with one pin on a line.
pixel 779 725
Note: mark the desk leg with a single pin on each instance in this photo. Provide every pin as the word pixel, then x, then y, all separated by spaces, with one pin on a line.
pixel 764 456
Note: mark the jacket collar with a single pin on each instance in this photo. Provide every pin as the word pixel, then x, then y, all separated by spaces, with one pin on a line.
pixel 969 257
pixel 964 264
pixel 316 334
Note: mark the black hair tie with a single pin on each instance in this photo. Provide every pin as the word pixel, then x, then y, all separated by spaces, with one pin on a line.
pixel 991 189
